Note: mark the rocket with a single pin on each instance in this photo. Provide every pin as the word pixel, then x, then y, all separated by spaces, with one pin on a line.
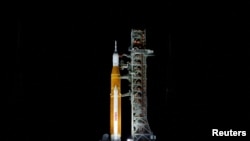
pixel 115 99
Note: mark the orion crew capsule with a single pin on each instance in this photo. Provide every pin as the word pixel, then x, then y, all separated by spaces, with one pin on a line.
pixel 115 99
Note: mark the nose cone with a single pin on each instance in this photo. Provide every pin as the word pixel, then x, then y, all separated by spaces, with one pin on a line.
pixel 115 57
pixel 115 90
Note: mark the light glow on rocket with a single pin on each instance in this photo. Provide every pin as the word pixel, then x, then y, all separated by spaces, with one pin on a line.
pixel 115 99
pixel 115 110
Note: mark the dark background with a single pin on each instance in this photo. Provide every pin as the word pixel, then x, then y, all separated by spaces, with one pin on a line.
pixel 59 60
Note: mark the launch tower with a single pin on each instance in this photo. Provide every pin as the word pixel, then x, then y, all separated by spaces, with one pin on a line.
pixel 137 77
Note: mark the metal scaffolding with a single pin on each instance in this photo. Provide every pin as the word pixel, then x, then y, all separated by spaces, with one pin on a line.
pixel 137 76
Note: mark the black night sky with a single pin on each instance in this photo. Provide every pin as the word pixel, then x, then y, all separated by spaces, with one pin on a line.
pixel 59 60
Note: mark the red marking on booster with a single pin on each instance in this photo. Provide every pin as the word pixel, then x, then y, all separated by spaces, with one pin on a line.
pixel 116 116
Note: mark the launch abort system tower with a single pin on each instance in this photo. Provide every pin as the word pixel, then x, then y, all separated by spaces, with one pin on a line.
pixel 137 77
